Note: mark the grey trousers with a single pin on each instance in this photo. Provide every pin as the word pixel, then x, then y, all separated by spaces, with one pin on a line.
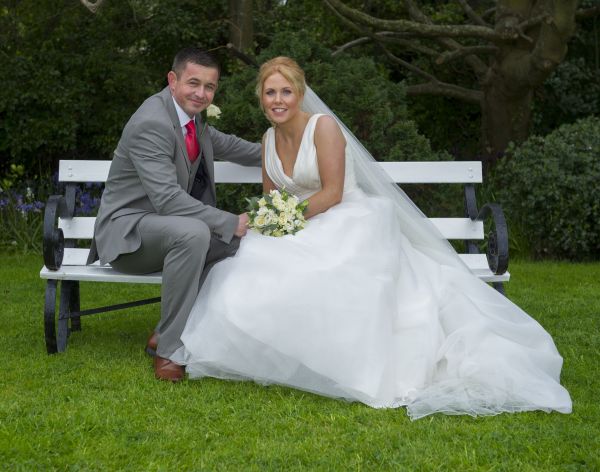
pixel 185 252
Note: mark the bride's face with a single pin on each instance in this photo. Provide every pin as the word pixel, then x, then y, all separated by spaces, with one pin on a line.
pixel 279 99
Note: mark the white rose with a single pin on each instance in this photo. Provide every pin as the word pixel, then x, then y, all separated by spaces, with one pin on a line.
pixel 213 111
pixel 283 219
pixel 270 217
pixel 279 203
pixel 260 221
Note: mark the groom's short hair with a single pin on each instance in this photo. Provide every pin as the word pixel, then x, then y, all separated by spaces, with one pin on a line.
pixel 195 56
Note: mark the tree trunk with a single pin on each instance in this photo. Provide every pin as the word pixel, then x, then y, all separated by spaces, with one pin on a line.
pixel 504 119
pixel 519 68
pixel 241 29
pixel 507 102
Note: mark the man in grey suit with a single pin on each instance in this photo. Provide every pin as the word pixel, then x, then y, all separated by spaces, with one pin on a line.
pixel 158 207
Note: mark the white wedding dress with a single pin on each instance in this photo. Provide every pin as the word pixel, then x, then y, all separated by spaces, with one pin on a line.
pixel 349 308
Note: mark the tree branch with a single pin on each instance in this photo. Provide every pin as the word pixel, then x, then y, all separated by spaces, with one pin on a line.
pixel 408 65
pixel 386 37
pixel 475 18
pixel 448 56
pixel 350 44
pixel 392 38
pixel 530 23
pixel 488 13
pixel 245 58
pixel 428 30
pixel 446 90
pixel 92 6
pixel 478 66
pixel 551 44
pixel 587 12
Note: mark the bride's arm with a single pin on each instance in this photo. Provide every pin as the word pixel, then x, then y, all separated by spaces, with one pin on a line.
pixel 267 183
pixel 331 157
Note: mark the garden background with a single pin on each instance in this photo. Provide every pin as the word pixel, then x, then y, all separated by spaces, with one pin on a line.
pixel 72 73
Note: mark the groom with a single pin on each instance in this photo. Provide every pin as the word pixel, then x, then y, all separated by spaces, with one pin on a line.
pixel 158 207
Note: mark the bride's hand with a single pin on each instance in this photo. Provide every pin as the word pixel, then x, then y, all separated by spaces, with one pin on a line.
pixel 242 227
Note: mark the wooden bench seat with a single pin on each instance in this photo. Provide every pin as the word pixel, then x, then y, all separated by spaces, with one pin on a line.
pixel 65 265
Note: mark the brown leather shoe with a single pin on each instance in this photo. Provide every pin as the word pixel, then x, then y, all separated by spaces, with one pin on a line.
pixel 165 369
pixel 152 344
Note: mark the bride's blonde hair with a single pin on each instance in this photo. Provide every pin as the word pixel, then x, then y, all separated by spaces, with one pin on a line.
pixel 287 67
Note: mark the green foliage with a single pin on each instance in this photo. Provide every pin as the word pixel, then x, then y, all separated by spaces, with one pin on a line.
pixel 14 175
pixel 570 93
pixel 448 124
pixel 71 79
pixel 549 186
pixel 233 197
pixel 21 221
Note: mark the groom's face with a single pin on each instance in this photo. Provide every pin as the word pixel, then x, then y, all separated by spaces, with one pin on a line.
pixel 194 88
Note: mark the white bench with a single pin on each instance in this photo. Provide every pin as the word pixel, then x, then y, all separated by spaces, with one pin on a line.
pixel 65 265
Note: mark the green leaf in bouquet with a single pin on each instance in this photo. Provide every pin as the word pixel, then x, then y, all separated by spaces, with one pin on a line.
pixel 253 203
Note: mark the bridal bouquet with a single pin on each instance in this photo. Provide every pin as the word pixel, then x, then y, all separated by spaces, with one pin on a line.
pixel 277 213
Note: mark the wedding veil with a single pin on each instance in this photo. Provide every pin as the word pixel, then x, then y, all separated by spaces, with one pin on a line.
pixel 373 180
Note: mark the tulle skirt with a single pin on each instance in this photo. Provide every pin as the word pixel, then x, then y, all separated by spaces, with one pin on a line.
pixel 348 308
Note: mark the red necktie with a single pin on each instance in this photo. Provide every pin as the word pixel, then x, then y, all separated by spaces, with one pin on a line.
pixel 191 142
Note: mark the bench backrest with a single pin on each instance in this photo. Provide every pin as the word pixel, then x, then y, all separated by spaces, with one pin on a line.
pixel 465 172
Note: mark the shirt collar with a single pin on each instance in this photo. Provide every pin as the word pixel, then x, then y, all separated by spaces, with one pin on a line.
pixel 184 118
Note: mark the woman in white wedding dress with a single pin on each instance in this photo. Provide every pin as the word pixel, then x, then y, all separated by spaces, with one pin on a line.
pixel 367 303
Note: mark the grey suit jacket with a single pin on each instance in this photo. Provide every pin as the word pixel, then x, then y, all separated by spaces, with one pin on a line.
pixel 151 173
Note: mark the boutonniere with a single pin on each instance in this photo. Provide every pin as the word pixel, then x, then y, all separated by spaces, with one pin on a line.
pixel 210 115
pixel 213 112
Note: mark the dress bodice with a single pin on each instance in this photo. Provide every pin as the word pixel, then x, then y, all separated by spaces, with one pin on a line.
pixel 305 180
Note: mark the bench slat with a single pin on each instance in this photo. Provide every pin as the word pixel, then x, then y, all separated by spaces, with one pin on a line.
pixel 79 227
pixel 74 268
pixel 227 172
pixel 82 227
pixel 83 171
pixel 477 263
pixel 458 228
pixel 465 172
pixel 97 273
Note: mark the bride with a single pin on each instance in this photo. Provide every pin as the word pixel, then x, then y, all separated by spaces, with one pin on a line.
pixel 367 303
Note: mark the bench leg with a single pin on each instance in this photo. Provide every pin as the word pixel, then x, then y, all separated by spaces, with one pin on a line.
pixel 499 286
pixel 49 316
pixel 75 307
pixel 68 295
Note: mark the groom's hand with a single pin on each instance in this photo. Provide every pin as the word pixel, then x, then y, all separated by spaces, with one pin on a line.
pixel 242 227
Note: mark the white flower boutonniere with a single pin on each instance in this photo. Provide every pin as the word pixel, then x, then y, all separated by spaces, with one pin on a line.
pixel 213 111
pixel 210 115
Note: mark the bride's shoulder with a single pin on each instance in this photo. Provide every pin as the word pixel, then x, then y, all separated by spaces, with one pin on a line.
pixel 326 125
pixel 267 135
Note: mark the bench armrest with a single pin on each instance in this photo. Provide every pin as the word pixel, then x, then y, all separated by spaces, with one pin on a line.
pixel 497 244
pixel 54 241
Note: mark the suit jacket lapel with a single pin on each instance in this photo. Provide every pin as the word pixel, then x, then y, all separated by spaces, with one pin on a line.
pixel 185 169
pixel 207 155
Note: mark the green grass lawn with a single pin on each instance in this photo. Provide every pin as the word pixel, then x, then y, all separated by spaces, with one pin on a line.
pixel 98 407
